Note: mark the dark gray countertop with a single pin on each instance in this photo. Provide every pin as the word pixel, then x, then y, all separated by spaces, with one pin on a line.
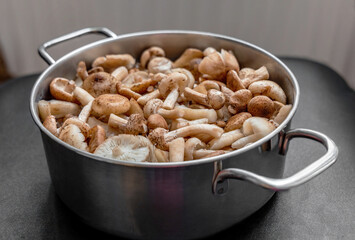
pixel 323 208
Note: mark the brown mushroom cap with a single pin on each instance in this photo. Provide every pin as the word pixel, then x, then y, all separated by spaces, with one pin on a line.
pixel 216 98
pixel 158 139
pixel 106 104
pixel 111 62
pixel 62 89
pixel 100 83
pixel 155 121
pixel 239 100
pixel 172 81
pixel 237 121
pixel 96 136
pixel 160 65
pixel 261 106
pixel 184 60
pixel 151 53
pixel 214 66
pixel 233 81
pixel 230 61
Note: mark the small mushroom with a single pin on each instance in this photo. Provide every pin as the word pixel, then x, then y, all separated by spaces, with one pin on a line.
pixel 160 136
pixel 109 130
pixel 82 96
pixel 257 125
pixel 269 89
pixel 170 88
pixel 51 124
pixel 151 53
pixel 136 124
pixel 100 83
pixel 155 121
pixel 213 98
pixel 161 156
pixel 72 135
pixel 135 108
pixel 239 101
pixel 225 140
pixel 261 106
pixel 223 113
pixel 241 142
pixel 160 65
pixel 83 126
pixel 246 72
pixel 85 112
pixel 60 108
pixel 126 147
pixel 106 104
pixel 120 73
pixel 96 70
pixel 205 153
pixel 209 51
pixel 180 122
pixel 184 60
pixel 236 121
pixel 81 70
pixel 214 66
pixel 96 136
pixel 188 74
pixel 230 60
pixel 233 81
pixel 259 74
pixel 44 109
pixel 111 62
pixel 62 89
pixel 127 92
pixel 176 150
pixel 149 96
pixel 283 113
pixel 191 145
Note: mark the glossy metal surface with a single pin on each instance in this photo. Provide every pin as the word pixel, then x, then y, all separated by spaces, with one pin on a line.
pixel 163 200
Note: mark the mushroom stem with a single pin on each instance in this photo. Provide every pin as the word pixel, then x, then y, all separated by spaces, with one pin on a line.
pixel 209 129
pixel 149 96
pixel 226 139
pixel 246 140
pixel 171 99
pixel 203 153
pixel 193 114
pixel 191 145
pixel 259 74
pixel 176 150
pixel 82 96
pixel 85 112
pixel 195 96
pixel 180 122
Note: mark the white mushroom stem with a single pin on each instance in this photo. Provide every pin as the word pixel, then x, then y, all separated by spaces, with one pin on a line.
pixel 202 153
pixel 161 155
pixel 82 96
pixel 209 129
pixel 191 145
pixel 109 131
pixel 61 108
pixel 268 88
pixel 116 122
pixel 193 114
pixel 246 140
pixel 257 125
pixel 225 140
pixel 120 73
pixel 44 109
pixel 85 112
pixel 195 96
pixel 204 137
pixel 259 74
pixel 149 96
pixel 171 99
pixel 176 150
pixel 180 122
pixel 283 113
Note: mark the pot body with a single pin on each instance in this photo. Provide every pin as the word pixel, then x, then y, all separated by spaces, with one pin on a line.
pixel 166 201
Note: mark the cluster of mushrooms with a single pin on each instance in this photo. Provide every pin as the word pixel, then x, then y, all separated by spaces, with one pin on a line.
pixel 157 110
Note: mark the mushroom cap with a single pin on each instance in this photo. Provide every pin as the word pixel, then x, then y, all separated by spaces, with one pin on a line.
pixel 83 126
pixel 216 98
pixel 213 65
pixel 158 139
pixel 236 121
pixel 96 136
pixel 261 106
pixel 72 135
pixel 111 62
pixel 239 100
pixel 136 124
pixel 106 104
pixel 100 83
pixel 230 60
pixel 171 81
pixel 151 107
pixel 81 70
pixel 268 88
pixel 184 60
pixel 233 81
pixel 188 74
pixel 151 53
pixel 127 147
pixel 62 89
pixel 155 121
pixel 160 65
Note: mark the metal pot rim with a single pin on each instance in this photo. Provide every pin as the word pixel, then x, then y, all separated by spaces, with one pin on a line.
pixel 35 117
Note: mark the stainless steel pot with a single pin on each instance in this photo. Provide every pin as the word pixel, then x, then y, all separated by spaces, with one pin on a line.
pixel 172 200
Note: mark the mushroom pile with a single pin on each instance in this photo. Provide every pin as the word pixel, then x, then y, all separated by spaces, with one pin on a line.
pixel 158 110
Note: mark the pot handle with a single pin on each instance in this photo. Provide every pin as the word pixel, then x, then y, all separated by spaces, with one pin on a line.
pixel 42 50
pixel 297 179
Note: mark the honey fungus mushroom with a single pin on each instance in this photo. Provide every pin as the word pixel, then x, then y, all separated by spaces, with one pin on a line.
pixel 100 83
pixel 113 61
pixel 106 104
pixel 151 53
pixel 170 88
pixel 126 147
